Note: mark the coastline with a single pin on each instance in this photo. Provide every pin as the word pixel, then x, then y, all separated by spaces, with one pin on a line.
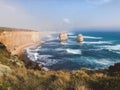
pixel 23 55
pixel 20 50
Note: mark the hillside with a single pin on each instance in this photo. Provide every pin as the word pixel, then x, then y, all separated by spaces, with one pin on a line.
pixel 15 75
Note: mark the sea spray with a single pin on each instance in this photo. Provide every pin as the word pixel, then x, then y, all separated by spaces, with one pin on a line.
pixel 72 51
pixel 99 50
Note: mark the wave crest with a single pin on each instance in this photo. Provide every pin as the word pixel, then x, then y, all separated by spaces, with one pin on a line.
pixel 42 59
pixel 33 56
pixel 97 42
pixel 92 37
pixel 103 62
pixel 109 47
pixel 46 61
pixel 86 37
pixel 72 51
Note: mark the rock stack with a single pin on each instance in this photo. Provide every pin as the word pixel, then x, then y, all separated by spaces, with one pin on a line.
pixel 63 36
pixel 80 38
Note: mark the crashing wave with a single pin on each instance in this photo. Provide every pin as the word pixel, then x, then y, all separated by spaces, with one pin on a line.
pixel 72 36
pixel 104 62
pixel 86 37
pixel 97 42
pixel 32 55
pixel 63 43
pixel 118 52
pixel 43 59
pixel 111 47
pixel 72 51
pixel 46 61
pixel 92 37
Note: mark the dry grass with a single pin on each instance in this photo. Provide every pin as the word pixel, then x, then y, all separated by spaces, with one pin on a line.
pixel 29 79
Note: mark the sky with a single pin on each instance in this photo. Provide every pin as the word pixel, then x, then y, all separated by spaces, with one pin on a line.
pixel 59 14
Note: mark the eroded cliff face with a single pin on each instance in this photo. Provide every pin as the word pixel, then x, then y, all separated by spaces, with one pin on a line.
pixel 16 40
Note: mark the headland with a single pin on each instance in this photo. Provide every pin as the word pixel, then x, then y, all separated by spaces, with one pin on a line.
pixel 14 75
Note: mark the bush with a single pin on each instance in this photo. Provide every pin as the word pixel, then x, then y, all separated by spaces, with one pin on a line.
pixel 114 70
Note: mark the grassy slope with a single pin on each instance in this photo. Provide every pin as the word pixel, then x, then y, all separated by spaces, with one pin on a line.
pixel 22 78
pixel 29 79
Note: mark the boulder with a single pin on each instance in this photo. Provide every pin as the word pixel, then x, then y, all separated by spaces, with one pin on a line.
pixel 80 38
pixel 63 36
pixel 17 63
pixel 4 70
pixel 45 69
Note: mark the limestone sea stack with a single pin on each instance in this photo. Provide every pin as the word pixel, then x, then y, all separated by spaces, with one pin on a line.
pixel 63 36
pixel 80 38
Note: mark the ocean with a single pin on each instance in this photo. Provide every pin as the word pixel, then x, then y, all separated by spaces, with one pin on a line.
pixel 99 50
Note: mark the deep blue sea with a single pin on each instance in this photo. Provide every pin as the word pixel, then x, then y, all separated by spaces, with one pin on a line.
pixel 99 50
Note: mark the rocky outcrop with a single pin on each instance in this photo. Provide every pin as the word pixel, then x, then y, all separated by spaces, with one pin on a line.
pixel 63 36
pixel 80 38
pixel 16 40
pixel 4 70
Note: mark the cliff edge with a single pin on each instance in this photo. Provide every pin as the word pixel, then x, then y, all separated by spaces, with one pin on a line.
pixel 16 40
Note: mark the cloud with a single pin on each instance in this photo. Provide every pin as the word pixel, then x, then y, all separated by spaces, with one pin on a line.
pixel 66 20
pixel 7 7
pixel 98 2
pixel 13 15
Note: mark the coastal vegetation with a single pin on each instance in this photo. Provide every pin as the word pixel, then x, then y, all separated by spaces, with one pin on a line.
pixel 15 76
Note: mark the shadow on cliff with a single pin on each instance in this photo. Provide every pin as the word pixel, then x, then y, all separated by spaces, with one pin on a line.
pixel 28 63
pixel 3 50
pixel 2 46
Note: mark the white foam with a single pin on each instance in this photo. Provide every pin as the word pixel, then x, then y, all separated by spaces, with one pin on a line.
pixel 92 37
pixel 118 52
pixel 46 61
pixel 72 36
pixel 42 59
pixel 34 49
pixel 95 49
pixel 74 51
pixel 44 56
pixel 45 69
pixel 31 55
pixel 111 47
pixel 63 43
pixel 103 62
pixel 97 42
pixel 86 37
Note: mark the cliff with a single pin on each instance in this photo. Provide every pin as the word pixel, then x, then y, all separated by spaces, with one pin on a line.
pixel 15 76
pixel 16 40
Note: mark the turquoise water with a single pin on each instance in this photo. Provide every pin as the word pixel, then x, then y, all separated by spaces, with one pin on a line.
pixel 99 50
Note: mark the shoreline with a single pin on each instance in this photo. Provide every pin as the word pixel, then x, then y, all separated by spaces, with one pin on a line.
pixel 27 61
pixel 23 55
pixel 20 50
